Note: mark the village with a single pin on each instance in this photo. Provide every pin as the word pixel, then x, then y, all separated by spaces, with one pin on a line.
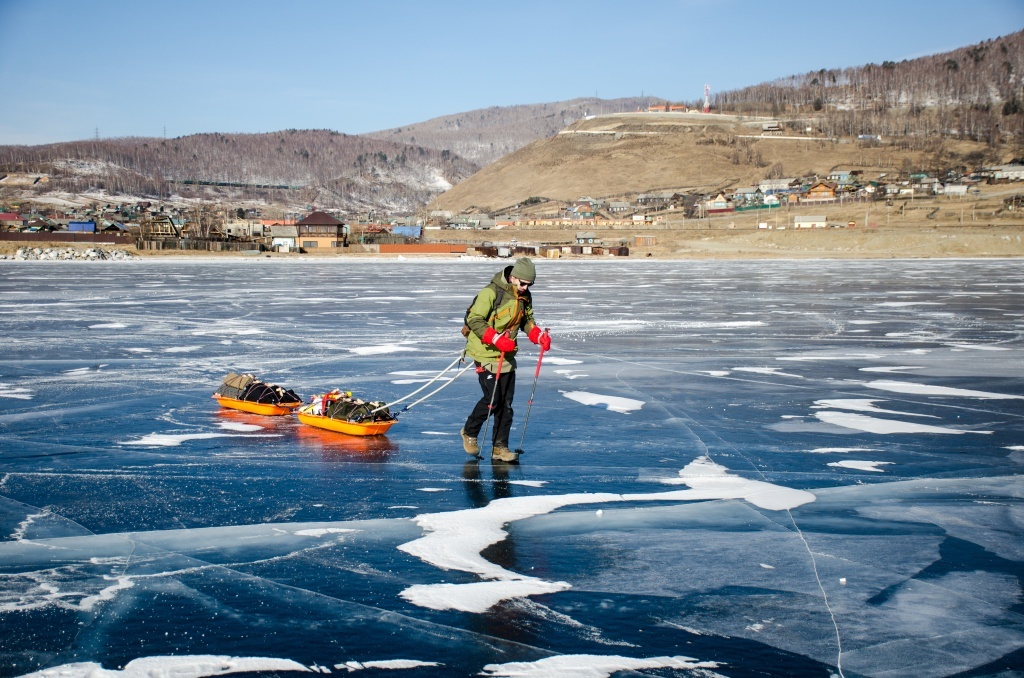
pixel 585 226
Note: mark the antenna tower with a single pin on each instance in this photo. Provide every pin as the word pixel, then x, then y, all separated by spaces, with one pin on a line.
pixel 707 100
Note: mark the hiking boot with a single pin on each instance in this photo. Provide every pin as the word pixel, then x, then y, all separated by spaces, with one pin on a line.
pixel 469 443
pixel 502 453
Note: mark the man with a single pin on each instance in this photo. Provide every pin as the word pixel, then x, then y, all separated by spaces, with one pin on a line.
pixel 498 312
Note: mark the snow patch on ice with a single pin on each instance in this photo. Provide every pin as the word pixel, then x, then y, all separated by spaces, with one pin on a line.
pixel 861 422
pixel 889 369
pixel 321 531
pixel 591 666
pixel 392 664
pixel 380 349
pixel 861 465
pixel 713 481
pixel 862 405
pixel 926 389
pixel 816 358
pixel 455 540
pixel 108 326
pixel 238 331
pixel 841 450
pixel 555 360
pixel 239 426
pixel 185 666
pixel 773 371
pixel 83 371
pixel 19 532
pixel 175 439
pixel 109 593
pixel 613 403
pixel 182 349
pixel 10 391
pixel 406 382
pixel 980 347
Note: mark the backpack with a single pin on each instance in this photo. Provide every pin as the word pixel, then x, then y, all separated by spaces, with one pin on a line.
pixel 499 296
pixel 235 385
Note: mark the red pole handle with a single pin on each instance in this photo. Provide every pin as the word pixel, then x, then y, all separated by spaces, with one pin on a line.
pixel 540 357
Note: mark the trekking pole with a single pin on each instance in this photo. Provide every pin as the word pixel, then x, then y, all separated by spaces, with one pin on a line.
pixel 529 403
pixel 494 392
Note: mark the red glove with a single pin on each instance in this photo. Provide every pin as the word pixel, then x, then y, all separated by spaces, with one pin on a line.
pixel 502 342
pixel 542 338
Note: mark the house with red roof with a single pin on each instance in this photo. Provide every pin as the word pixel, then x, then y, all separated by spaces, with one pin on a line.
pixel 320 230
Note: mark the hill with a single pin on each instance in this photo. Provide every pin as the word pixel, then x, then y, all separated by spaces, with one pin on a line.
pixel 623 155
pixel 485 135
pixel 292 167
pixel 957 110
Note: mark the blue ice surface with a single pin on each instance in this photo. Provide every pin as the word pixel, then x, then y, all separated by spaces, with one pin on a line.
pixel 248 536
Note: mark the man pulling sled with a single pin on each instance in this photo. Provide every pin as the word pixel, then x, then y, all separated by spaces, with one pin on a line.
pixel 492 324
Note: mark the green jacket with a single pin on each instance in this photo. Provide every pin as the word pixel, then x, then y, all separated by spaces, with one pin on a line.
pixel 515 313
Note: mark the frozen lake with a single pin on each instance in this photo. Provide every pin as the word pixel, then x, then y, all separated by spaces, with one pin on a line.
pixel 732 468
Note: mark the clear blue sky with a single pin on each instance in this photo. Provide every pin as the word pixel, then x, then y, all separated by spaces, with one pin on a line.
pixel 138 68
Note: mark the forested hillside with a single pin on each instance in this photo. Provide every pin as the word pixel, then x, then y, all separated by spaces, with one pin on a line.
pixel 970 93
pixel 487 134
pixel 293 166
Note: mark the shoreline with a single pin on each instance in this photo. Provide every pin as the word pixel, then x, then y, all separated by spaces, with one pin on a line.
pixel 983 242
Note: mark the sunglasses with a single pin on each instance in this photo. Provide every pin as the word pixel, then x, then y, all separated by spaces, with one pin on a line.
pixel 523 283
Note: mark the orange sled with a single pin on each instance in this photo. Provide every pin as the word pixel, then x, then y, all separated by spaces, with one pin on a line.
pixel 352 428
pixel 341 413
pixel 266 409
pixel 247 393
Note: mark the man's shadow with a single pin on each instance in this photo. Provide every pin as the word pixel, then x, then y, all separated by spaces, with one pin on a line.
pixel 506 619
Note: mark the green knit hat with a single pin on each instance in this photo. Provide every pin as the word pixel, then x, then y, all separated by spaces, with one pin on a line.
pixel 524 270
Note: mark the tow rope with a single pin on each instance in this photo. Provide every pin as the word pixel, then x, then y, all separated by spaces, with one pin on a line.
pixel 432 393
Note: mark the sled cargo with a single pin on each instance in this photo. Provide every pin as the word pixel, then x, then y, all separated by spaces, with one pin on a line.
pixel 341 413
pixel 247 393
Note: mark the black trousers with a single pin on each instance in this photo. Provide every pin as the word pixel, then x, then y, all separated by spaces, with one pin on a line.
pixel 502 410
